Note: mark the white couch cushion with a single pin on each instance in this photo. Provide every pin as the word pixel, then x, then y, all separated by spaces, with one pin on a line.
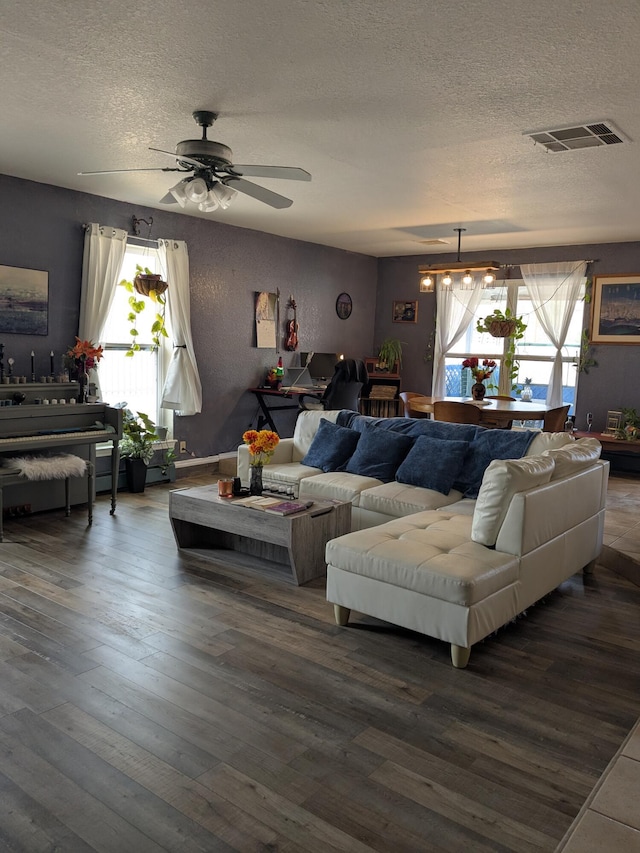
pixel 286 478
pixel 336 485
pixel 430 553
pixel 574 457
pixel 502 480
pixel 548 441
pixel 306 427
pixel 399 499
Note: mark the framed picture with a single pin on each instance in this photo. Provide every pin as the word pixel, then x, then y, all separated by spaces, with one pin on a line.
pixel 405 311
pixel 615 309
pixel 24 301
pixel 344 306
pixel 266 319
pixel 614 422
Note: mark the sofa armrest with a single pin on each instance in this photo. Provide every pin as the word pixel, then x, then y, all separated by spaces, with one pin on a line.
pixel 282 454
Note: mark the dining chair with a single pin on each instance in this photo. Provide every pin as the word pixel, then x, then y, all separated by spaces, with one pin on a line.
pixel 456 413
pixel 555 419
pixel 406 396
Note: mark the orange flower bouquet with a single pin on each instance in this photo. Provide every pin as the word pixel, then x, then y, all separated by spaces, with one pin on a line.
pixel 262 444
pixel 84 350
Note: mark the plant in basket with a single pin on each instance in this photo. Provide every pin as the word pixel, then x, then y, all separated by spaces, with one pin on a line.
pixel 150 286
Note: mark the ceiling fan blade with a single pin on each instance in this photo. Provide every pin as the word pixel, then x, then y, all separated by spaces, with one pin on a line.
pixel 120 171
pixel 289 173
pixel 173 154
pixel 168 199
pixel 259 193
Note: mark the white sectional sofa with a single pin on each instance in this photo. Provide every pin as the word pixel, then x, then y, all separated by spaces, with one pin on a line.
pixel 452 567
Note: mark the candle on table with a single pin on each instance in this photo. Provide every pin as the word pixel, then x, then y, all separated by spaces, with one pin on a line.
pixel 51 354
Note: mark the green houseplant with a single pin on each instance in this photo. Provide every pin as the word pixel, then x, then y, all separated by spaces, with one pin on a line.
pixel 389 354
pixel 502 325
pixel 505 325
pixel 136 447
pixel 150 286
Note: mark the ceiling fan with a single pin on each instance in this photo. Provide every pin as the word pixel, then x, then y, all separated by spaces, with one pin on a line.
pixel 215 180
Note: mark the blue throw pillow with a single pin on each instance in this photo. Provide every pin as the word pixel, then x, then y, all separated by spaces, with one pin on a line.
pixel 379 453
pixel 332 445
pixel 433 463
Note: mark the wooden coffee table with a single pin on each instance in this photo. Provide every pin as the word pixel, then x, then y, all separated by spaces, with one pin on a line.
pixel 290 546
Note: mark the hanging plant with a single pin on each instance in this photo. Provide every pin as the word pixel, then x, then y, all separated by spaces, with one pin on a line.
pixel 500 325
pixel 151 286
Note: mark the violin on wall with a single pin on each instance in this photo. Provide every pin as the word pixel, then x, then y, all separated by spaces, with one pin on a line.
pixel 291 339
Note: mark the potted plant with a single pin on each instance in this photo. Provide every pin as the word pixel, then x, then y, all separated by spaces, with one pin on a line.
pixel 136 447
pixel 502 325
pixel 389 354
pixel 151 286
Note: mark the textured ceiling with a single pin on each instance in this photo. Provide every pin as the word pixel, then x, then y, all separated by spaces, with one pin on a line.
pixel 409 114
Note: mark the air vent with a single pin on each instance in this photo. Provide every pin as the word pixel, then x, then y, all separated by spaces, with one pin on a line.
pixel 579 136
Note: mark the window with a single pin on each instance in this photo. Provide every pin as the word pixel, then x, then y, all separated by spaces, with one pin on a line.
pixel 136 381
pixel 535 352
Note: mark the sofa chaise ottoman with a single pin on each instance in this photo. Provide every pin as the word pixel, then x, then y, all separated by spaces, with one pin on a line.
pixel 459 576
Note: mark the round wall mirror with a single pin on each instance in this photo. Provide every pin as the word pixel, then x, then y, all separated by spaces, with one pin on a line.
pixel 344 305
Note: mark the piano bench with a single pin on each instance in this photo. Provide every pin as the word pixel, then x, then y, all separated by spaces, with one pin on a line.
pixel 62 467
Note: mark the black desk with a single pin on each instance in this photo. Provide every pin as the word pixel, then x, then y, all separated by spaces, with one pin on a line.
pixel 271 394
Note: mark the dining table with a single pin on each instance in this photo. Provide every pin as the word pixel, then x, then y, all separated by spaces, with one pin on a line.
pixel 491 410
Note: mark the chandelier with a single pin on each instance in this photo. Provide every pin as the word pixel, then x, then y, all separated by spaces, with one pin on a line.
pixel 462 273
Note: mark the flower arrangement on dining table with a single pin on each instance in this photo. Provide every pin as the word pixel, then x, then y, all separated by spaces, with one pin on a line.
pixel 480 372
pixel 262 444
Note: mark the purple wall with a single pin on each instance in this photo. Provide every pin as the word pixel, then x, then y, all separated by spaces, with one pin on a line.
pixel 40 228
pixel 613 384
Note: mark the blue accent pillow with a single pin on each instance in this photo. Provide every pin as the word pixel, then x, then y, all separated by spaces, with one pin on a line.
pixel 490 444
pixel 379 453
pixel 433 463
pixel 332 445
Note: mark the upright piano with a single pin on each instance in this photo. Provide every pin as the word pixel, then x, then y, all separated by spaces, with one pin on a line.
pixel 43 429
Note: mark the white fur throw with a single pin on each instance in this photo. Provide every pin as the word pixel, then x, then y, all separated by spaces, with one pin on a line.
pixel 48 467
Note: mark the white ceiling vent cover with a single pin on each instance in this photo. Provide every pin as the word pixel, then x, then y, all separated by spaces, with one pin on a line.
pixel 589 135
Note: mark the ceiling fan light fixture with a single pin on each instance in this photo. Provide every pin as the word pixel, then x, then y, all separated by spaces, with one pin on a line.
pixel 197 190
pixel 224 195
pixel 179 192
pixel 209 204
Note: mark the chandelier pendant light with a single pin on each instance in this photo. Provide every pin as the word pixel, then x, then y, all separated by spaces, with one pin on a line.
pixel 462 271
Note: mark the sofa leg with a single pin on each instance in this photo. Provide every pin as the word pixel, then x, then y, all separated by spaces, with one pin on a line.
pixel 341 614
pixel 459 656
pixel 588 569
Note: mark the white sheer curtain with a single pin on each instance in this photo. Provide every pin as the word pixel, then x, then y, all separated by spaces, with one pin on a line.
pixel 455 309
pixel 182 388
pixel 104 249
pixel 554 290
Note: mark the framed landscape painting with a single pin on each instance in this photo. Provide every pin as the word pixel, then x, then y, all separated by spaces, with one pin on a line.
pixel 615 309
pixel 24 301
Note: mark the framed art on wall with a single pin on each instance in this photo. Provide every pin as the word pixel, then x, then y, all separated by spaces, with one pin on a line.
pixel 405 311
pixel 266 319
pixel 24 301
pixel 344 306
pixel 615 309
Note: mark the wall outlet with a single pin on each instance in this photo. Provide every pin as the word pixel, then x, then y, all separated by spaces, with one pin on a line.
pixel 183 447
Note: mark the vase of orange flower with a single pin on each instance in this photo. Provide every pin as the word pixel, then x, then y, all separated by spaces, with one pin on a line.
pixel 262 444
pixel 480 373
pixel 81 358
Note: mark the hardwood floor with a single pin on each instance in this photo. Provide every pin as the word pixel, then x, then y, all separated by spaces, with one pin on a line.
pixel 152 702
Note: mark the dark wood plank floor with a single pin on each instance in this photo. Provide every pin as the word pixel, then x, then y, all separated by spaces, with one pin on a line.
pixel 151 701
